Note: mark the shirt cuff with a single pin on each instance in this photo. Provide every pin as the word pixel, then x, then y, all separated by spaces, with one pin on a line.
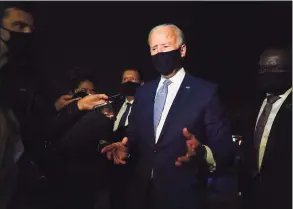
pixel 210 159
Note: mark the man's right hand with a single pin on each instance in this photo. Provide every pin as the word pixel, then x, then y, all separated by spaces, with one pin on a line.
pixel 88 102
pixel 117 152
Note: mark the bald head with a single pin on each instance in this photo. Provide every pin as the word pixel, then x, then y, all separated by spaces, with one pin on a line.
pixel 275 70
pixel 275 59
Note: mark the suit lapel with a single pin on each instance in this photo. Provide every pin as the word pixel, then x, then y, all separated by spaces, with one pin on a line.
pixel 118 104
pixel 282 120
pixel 177 104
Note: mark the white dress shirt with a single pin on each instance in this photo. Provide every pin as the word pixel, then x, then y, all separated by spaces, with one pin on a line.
pixel 120 113
pixel 276 106
pixel 172 92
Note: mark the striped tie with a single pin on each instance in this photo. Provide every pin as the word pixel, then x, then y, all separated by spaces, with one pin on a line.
pixel 160 102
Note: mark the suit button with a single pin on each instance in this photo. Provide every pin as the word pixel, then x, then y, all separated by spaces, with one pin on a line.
pixel 155 151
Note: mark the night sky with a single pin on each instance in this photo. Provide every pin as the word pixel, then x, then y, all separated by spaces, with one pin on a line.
pixel 224 39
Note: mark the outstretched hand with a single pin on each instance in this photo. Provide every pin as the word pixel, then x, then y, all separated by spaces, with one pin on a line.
pixel 192 144
pixel 117 151
pixel 90 101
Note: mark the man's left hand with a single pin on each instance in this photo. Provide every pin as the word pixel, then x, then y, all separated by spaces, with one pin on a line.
pixel 192 144
pixel 63 101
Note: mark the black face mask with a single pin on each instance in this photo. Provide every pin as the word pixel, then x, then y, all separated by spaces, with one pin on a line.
pixel 129 88
pixel 275 83
pixel 18 47
pixel 12 81
pixel 166 62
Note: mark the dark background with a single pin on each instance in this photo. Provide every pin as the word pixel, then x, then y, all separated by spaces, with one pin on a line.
pixel 224 39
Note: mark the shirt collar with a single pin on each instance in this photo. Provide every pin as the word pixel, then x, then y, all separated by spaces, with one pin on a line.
pixel 126 101
pixel 284 96
pixel 177 78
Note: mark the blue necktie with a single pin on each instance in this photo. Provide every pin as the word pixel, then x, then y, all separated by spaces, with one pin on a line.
pixel 124 116
pixel 160 102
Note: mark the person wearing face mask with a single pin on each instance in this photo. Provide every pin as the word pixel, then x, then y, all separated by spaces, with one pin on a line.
pixel 15 21
pixel 130 81
pixel 267 167
pixel 178 130
pixel 16 29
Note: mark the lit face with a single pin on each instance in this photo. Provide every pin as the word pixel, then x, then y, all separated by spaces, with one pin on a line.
pixel 130 76
pixel 164 39
pixel 86 86
pixel 14 20
pixel 18 21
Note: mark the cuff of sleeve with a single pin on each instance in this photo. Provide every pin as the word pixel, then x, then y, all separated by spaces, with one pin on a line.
pixel 210 159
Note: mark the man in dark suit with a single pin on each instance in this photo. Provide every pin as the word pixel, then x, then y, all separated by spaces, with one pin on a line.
pixel 131 79
pixel 266 172
pixel 178 129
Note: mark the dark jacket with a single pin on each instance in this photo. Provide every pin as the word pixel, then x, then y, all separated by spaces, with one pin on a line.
pixel 271 187
pixel 9 146
pixel 82 166
pixel 196 107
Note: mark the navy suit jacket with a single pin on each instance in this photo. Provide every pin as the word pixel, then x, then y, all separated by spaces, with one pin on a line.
pixel 196 107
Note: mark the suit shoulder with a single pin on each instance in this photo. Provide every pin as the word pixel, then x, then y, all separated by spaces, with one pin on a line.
pixel 148 85
pixel 203 84
pixel 151 83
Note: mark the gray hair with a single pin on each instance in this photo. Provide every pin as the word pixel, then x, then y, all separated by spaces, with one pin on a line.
pixel 178 31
